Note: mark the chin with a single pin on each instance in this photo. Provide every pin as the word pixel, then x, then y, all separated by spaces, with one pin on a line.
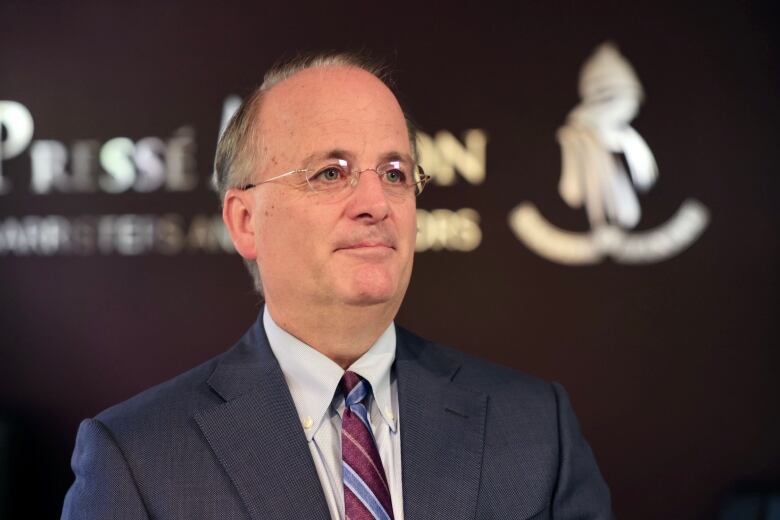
pixel 363 296
pixel 370 290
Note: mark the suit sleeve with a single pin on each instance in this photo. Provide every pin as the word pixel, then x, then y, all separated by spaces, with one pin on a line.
pixel 580 491
pixel 104 487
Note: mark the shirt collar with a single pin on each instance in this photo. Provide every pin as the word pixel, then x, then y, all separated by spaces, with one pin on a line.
pixel 313 378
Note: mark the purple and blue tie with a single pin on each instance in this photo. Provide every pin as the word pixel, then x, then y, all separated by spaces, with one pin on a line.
pixel 366 491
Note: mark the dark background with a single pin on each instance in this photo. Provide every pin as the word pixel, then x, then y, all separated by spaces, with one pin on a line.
pixel 672 367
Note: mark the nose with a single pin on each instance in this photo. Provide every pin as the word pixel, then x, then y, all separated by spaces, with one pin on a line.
pixel 368 201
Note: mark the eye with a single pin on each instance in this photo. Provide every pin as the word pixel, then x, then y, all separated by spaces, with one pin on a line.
pixel 328 174
pixel 395 176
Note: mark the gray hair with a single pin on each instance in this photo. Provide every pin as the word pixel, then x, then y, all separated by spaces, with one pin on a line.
pixel 238 148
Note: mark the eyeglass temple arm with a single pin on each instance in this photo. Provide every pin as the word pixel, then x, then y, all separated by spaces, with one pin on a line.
pixel 285 174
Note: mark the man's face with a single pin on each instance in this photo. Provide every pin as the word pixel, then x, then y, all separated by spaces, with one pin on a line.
pixel 311 250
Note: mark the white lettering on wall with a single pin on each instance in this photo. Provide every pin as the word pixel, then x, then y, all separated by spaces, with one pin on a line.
pixel 443 155
pixel 116 166
pixel 446 229
pixel 125 235
pixel 16 124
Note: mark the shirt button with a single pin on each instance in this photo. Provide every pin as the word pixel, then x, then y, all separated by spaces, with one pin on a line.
pixel 389 413
pixel 308 422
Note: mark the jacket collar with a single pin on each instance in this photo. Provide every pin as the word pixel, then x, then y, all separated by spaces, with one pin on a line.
pixel 257 437
pixel 442 433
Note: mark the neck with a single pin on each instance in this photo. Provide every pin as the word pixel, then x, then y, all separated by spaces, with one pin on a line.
pixel 343 334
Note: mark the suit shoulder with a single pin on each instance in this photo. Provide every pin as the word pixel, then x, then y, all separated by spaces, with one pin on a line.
pixel 477 373
pixel 176 397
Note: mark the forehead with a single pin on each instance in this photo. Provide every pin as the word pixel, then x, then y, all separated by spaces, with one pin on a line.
pixel 327 108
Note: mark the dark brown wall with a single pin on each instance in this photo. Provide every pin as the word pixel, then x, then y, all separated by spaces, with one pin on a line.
pixel 672 366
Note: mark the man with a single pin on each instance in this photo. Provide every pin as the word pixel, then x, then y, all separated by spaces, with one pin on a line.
pixel 326 409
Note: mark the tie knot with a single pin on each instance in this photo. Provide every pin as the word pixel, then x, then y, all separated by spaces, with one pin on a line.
pixel 355 388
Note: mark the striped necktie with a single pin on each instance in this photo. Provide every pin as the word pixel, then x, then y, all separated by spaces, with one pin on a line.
pixel 366 491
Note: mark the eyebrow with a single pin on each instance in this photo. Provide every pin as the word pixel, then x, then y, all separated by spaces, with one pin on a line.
pixel 395 156
pixel 339 153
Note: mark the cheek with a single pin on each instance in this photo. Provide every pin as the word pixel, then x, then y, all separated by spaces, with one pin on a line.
pixel 287 229
pixel 270 229
pixel 408 227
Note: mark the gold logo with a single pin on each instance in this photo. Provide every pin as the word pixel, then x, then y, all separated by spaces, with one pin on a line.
pixel 605 162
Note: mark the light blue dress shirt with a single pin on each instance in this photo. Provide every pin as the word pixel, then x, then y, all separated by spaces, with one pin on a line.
pixel 313 379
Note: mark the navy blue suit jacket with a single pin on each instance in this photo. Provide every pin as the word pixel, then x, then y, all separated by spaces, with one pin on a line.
pixel 223 441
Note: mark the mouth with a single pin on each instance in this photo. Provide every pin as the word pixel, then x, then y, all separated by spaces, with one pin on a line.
pixel 380 241
pixel 366 245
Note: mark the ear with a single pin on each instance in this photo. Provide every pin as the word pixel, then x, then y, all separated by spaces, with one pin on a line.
pixel 237 215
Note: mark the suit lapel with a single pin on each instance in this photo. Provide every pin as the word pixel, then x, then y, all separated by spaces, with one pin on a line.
pixel 257 437
pixel 442 434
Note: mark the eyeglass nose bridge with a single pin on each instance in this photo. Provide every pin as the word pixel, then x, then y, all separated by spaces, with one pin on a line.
pixel 354 176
